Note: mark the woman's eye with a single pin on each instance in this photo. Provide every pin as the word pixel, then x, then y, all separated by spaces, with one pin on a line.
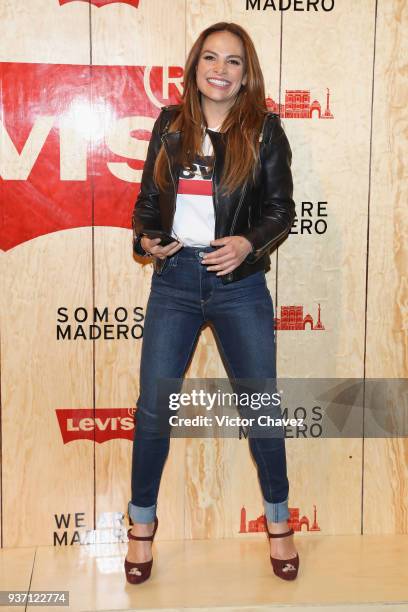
pixel 209 57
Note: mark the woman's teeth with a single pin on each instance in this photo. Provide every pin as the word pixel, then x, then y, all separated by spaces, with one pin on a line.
pixel 218 83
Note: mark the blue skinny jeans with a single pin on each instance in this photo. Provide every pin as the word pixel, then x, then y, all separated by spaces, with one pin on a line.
pixel 183 298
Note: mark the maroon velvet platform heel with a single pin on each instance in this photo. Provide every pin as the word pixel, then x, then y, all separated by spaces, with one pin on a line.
pixel 139 572
pixel 287 569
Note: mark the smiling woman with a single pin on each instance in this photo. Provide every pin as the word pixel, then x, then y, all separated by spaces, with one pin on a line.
pixel 220 75
pixel 225 195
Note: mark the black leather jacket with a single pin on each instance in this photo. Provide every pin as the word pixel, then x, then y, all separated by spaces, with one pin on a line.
pixel 263 212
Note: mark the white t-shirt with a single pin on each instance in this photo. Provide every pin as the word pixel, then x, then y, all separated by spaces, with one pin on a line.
pixel 194 220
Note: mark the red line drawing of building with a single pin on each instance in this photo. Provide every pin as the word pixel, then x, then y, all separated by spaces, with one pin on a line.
pixel 298 106
pixel 291 317
pixel 294 522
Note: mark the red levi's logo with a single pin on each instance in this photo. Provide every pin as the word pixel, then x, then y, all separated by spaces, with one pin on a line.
pixel 99 3
pixel 70 160
pixel 101 425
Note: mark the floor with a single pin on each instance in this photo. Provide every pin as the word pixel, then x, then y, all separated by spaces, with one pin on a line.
pixel 337 573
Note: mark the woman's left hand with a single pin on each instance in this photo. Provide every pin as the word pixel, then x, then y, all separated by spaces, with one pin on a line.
pixel 232 252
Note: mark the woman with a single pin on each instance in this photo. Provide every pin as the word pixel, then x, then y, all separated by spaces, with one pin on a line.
pixel 226 205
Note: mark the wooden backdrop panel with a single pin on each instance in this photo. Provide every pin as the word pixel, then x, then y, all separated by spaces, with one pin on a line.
pixel 45 32
pixel 386 465
pixel 146 38
pixel 41 476
pixel 330 164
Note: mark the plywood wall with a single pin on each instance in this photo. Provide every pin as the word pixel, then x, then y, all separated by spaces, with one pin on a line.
pixel 80 88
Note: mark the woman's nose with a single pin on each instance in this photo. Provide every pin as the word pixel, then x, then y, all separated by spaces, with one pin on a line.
pixel 220 68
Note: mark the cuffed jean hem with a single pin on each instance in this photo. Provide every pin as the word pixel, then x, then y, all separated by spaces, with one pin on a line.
pixel 276 512
pixel 140 514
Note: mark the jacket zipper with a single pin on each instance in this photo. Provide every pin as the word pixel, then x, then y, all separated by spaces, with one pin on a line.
pixel 172 178
pixel 275 239
pixel 215 201
pixel 246 184
pixel 242 195
pixel 238 207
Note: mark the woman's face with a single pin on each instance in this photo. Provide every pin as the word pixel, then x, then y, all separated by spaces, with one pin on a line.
pixel 221 58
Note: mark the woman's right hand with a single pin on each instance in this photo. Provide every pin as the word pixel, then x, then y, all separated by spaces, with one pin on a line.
pixel 151 246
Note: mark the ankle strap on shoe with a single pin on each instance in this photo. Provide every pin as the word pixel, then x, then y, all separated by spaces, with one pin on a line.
pixel 133 537
pixel 280 535
pixel 145 538
pixel 277 535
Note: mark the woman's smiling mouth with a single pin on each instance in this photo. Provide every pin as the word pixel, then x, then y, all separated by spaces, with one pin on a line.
pixel 220 83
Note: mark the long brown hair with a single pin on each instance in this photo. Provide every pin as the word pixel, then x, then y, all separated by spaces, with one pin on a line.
pixel 241 126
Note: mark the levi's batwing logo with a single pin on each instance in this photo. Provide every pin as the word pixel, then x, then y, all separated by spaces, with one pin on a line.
pixel 197 178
